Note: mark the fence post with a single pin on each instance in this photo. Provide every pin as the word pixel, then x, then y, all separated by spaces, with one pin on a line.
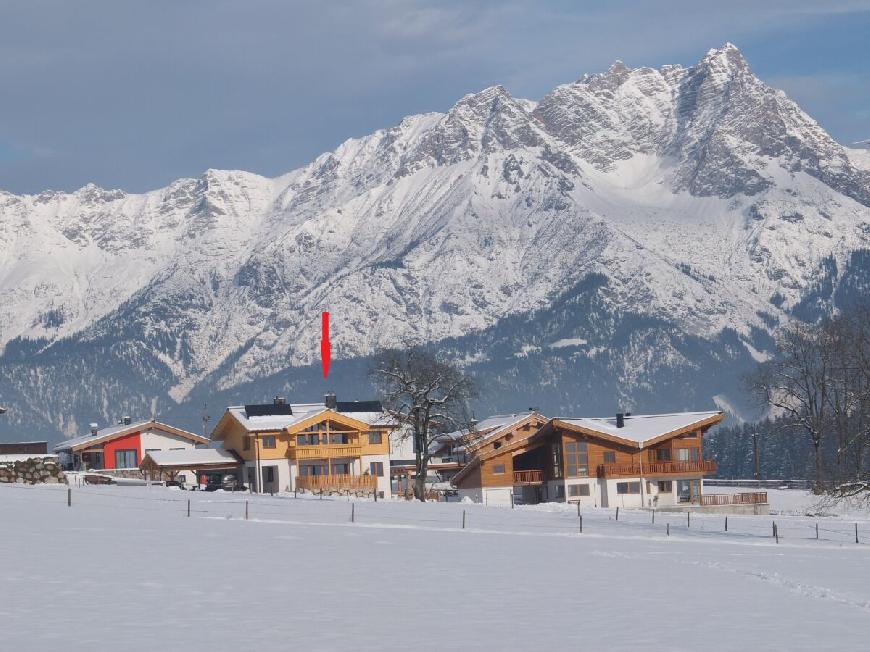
pixel 463 519
pixel 669 529
pixel 581 524
pixel 188 508
pixel 776 532
pixel 578 510
pixel 726 523
pixel 688 519
pixel 321 493
pixel 295 489
pixel 654 517
pixel 773 528
pixel 512 499
pixel 617 513
pixel 856 533
pixel 352 512
pixel 69 496
pixel 376 492
pixel 817 531
pixel 246 510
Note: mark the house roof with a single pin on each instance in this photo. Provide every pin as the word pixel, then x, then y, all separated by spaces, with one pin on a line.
pixel 192 458
pixel 644 429
pixel 258 421
pixel 113 432
pixel 496 427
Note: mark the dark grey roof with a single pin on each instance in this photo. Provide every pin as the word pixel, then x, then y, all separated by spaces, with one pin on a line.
pixel 359 406
pixel 268 409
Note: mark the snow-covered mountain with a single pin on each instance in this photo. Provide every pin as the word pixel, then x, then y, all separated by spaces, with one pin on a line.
pixel 675 205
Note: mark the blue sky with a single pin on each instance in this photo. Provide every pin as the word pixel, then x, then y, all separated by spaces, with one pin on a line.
pixel 135 94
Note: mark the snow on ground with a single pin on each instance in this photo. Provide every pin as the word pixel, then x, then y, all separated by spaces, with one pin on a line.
pixel 125 568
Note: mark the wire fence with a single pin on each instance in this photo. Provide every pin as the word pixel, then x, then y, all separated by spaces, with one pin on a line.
pixel 550 519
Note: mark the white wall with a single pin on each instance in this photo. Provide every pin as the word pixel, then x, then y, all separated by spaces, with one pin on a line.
pixel 162 441
pixel 497 496
pixel 384 481
pixel 401 447
pixel 594 497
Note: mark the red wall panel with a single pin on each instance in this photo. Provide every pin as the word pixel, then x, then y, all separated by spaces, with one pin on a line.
pixel 127 442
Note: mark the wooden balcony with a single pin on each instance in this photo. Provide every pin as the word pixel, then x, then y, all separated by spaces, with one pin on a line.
pixel 634 469
pixel 330 451
pixel 336 482
pixel 753 498
pixel 528 477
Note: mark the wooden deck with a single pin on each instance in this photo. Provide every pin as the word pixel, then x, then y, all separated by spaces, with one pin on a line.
pixel 647 469
pixel 336 482
pixel 751 498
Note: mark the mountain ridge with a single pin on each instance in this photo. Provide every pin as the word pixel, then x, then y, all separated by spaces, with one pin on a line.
pixel 706 199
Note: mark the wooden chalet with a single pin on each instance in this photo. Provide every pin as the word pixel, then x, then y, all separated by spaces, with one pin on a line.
pixel 629 460
pixel 334 446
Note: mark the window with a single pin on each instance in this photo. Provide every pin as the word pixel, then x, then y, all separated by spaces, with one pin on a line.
pixel 341 469
pixel 560 491
pixel 269 442
pixel 268 474
pixel 557 461
pixel 663 455
pixel 628 487
pixel 374 437
pixel 498 469
pixel 609 457
pixel 576 458
pixel 576 490
pixel 154 450
pixel 666 486
pixel 125 459
pixel 377 469
pixel 687 454
pixel 246 443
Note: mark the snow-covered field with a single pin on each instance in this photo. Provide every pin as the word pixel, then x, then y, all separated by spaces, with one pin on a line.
pixel 124 568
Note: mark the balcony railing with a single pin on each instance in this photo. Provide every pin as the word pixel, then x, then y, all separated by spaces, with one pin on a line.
pixel 325 452
pixel 336 482
pixel 528 477
pixel 753 498
pixel 634 469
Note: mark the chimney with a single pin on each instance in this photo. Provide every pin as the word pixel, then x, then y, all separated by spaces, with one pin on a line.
pixel 330 400
pixel 280 400
pixel 94 428
pixel 620 420
pixel 127 421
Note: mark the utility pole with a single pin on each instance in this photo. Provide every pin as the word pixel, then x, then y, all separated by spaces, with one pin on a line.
pixel 757 460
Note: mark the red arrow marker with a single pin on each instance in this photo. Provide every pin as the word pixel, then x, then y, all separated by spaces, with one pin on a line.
pixel 325 350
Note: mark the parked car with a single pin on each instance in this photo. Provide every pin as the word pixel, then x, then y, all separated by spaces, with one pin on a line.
pixel 227 482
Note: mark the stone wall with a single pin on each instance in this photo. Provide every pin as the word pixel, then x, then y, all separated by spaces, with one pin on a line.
pixel 35 470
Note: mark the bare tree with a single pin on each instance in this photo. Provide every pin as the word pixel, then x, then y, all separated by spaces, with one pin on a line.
pixel 797 384
pixel 428 396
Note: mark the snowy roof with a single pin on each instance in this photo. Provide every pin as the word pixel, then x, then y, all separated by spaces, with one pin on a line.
pixel 112 432
pixel 192 457
pixel 301 411
pixel 492 426
pixel 642 428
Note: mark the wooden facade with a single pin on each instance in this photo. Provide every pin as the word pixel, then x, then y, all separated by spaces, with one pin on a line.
pixel 317 449
pixel 541 459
